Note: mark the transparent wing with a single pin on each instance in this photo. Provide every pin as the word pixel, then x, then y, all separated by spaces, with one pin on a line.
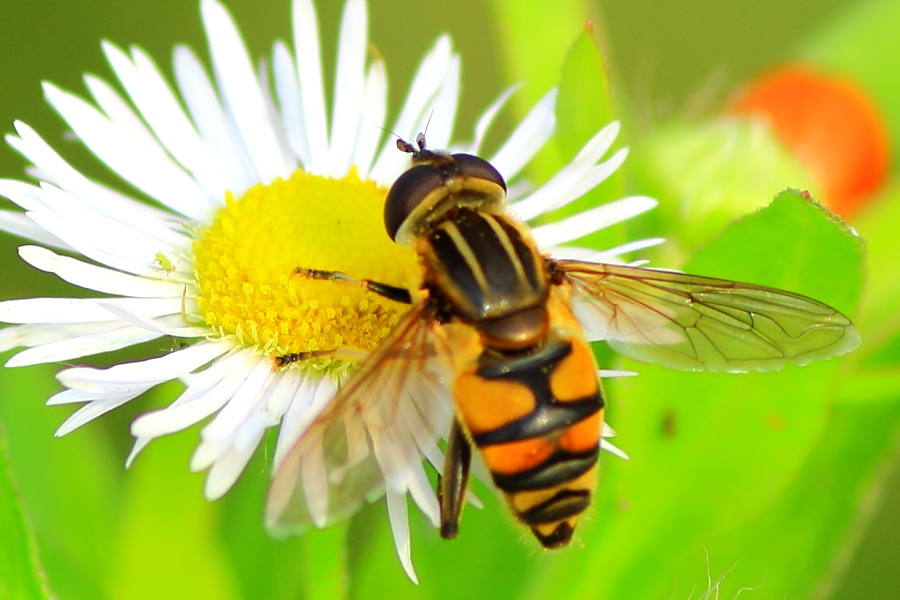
pixel 372 435
pixel 701 323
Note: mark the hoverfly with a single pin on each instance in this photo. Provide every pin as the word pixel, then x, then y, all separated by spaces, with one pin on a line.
pixel 502 322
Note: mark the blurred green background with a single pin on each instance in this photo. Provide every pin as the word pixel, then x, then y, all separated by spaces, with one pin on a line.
pixel 669 61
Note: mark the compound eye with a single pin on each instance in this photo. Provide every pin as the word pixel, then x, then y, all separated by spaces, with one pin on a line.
pixel 407 193
pixel 475 167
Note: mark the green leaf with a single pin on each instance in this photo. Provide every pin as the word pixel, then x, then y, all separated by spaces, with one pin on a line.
pixel 167 543
pixel 584 106
pixel 794 244
pixel 21 576
pixel 879 320
pixel 715 459
pixel 534 39
pixel 69 484
pixel 826 508
pixel 311 566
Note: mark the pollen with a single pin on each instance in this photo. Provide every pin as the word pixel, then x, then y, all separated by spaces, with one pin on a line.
pixel 248 262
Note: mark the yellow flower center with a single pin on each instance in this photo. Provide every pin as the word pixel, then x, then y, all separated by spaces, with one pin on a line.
pixel 246 265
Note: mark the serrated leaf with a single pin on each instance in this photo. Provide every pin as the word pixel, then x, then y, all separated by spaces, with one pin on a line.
pixel 534 39
pixel 713 457
pixel 879 319
pixel 794 244
pixel 21 576
pixel 584 104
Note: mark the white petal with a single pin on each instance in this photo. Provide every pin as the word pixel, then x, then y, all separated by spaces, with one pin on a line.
pixel 90 412
pixel 391 162
pixel 150 372
pixel 298 414
pixel 487 118
pixel 24 195
pixel 227 457
pixel 171 325
pixel 425 439
pixel 283 392
pixel 287 88
pixel 399 517
pixel 593 178
pixel 162 111
pixel 315 482
pixel 38 334
pixel 349 87
pixel 85 345
pixel 612 255
pixel 137 163
pixel 389 455
pixel 422 493
pixel 83 235
pixel 241 92
pixel 613 449
pixel 426 83
pixel 139 444
pixel 78 310
pixel 118 110
pixel 80 397
pixel 115 205
pixel 198 402
pixel 573 180
pixel 416 481
pixel 262 71
pixel 225 471
pixel 239 407
pixel 219 133
pixel 372 119
pixel 591 220
pixel 440 122
pixel 133 240
pixel 531 134
pixel 97 278
pixel 312 90
pixel 18 224
pixel 635 245
pixel 613 373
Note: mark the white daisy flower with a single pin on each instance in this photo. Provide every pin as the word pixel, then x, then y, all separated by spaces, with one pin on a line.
pixel 238 177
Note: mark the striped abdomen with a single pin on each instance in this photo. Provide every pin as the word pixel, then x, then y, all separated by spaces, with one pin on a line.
pixel 536 418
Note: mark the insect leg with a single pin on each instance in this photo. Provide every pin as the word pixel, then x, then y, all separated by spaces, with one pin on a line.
pixel 452 483
pixel 343 352
pixel 391 292
pixel 286 359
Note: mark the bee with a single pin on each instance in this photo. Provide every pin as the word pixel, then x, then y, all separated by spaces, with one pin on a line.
pixel 497 325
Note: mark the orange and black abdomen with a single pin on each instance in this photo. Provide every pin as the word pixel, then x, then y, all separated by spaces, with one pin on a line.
pixel 536 418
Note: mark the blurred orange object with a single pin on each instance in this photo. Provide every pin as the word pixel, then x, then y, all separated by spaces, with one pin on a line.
pixel 830 125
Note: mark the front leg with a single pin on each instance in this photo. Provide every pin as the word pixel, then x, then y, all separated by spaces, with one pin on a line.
pixel 391 292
